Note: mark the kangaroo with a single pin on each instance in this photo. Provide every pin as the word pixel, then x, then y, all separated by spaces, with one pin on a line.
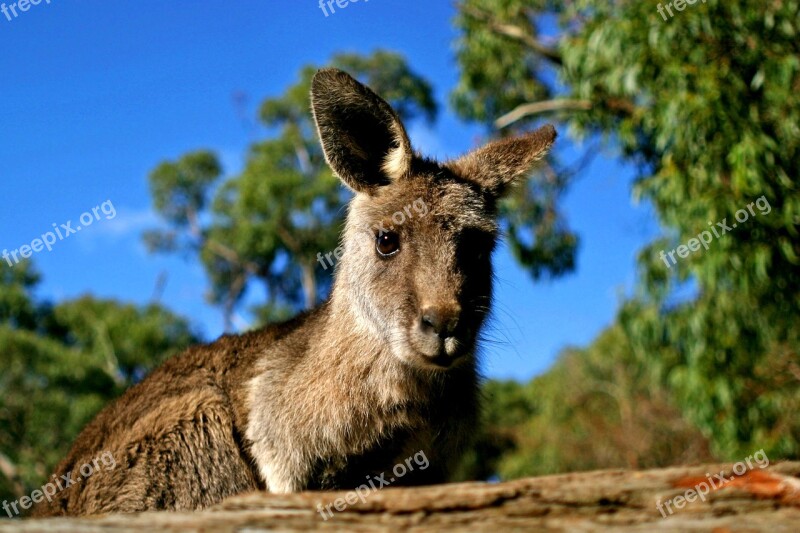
pixel 385 368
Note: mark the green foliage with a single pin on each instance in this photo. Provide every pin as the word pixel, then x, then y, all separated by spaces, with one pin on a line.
pixel 597 407
pixel 49 392
pixel 15 305
pixel 707 105
pixel 61 364
pixel 180 192
pixel 493 79
pixel 102 331
pixel 180 189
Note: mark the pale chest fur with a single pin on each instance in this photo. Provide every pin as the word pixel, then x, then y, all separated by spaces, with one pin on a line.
pixel 335 415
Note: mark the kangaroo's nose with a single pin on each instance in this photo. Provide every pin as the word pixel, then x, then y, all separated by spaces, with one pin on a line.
pixel 441 320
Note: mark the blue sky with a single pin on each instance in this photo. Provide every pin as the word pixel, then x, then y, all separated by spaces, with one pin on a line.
pixel 95 94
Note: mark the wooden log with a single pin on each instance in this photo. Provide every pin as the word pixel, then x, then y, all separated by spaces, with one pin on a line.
pixel 759 500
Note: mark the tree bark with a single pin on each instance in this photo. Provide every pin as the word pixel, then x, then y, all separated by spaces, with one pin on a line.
pixel 760 500
pixel 309 285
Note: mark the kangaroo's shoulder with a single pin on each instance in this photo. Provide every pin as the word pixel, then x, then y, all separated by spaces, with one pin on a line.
pixel 198 379
pixel 236 354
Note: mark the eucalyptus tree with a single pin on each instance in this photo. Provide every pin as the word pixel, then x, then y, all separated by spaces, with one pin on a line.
pixel 705 104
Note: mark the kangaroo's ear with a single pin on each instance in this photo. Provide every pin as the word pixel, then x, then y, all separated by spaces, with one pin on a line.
pixel 363 139
pixel 498 164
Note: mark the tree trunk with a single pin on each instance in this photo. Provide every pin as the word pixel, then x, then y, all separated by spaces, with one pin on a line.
pixel 760 500
pixel 309 285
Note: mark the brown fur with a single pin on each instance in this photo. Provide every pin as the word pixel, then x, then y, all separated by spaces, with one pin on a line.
pixel 383 369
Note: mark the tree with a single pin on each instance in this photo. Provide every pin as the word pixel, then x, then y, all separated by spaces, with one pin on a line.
pixel 706 105
pixel 596 408
pixel 61 364
pixel 16 307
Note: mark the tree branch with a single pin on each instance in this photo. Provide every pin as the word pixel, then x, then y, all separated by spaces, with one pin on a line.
pixel 10 471
pixel 545 106
pixel 514 32
pixel 309 285
pixel 218 248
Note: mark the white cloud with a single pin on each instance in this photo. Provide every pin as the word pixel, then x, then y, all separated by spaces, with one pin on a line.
pixel 125 228
pixel 127 222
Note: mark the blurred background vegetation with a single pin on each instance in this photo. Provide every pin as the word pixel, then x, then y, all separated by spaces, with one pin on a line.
pixel 709 112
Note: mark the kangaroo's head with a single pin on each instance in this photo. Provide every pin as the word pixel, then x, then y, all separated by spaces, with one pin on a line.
pixel 416 268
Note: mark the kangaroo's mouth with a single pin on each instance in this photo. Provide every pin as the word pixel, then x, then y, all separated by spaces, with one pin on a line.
pixel 439 361
pixel 436 352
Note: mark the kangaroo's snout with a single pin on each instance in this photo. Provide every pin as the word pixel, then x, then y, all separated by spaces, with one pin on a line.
pixel 440 320
pixel 438 335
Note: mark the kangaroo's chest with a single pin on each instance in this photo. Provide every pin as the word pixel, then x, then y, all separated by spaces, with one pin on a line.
pixel 379 463
pixel 351 434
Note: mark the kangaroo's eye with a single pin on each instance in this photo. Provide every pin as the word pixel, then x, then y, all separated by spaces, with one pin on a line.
pixel 387 244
